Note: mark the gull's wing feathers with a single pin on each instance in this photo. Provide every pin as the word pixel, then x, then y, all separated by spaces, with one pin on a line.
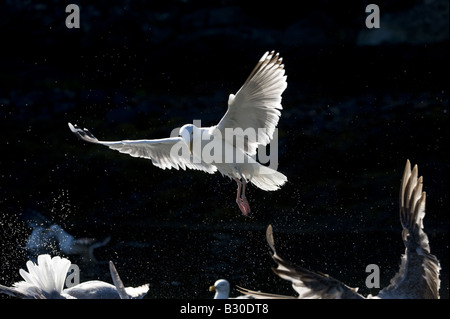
pixel 23 290
pixel 307 283
pixel 262 295
pixel 257 104
pixel 129 292
pixel 44 280
pixel 138 292
pixel 418 276
pixel 10 291
pixel 117 281
pixel 164 153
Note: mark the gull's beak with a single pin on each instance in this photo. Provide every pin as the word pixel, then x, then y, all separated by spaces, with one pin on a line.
pixel 212 288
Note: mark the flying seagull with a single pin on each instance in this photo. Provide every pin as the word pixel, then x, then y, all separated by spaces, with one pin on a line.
pixel 228 147
pixel 46 278
pixel 418 277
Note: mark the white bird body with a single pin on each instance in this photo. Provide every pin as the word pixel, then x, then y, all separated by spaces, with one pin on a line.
pixel 230 146
pixel 219 151
pixel 92 289
pixel 96 289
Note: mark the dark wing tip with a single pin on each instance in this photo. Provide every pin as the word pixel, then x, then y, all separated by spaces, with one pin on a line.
pixel 83 134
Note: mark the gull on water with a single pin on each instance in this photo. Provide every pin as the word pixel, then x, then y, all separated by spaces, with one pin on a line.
pixel 47 237
pixel 228 147
pixel 96 289
pixel 418 277
pixel 222 290
pixel 45 280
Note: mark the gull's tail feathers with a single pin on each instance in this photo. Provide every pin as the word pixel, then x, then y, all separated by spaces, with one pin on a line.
pixel 265 177
pixel 44 279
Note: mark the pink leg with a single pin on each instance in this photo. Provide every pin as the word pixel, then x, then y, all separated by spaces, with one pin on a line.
pixel 241 200
pixel 238 194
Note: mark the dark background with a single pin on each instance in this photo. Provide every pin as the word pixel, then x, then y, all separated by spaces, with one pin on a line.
pixel 359 103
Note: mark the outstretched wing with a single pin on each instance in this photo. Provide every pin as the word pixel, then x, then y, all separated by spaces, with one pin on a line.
pixel 262 295
pixel 418 276
pixel 13 292
pixel 309 284
pixel 165 153
pixel 117 281
pixel 257 104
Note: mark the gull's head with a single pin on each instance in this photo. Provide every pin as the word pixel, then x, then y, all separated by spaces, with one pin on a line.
pixel 222 289
pixel 187 134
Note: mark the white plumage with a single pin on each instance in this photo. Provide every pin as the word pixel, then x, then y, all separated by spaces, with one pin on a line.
pixel 46 279
pixel 222 290
pixel 252 116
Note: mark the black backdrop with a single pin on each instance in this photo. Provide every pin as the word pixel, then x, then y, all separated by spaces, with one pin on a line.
pixel 359 103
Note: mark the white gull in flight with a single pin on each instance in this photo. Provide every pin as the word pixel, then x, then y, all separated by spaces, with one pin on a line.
pixel 230 146
pixel 418 277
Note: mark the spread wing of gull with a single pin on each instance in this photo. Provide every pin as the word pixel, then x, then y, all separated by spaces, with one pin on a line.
pixel 418 276
pixel 126 292
pixel 13 292
pixel 250 121
pixel 306 283
pixel 262 295
pixel 257 104
pixel 164 153
pixel 117 281
pixel 129 292
pixel 44 280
